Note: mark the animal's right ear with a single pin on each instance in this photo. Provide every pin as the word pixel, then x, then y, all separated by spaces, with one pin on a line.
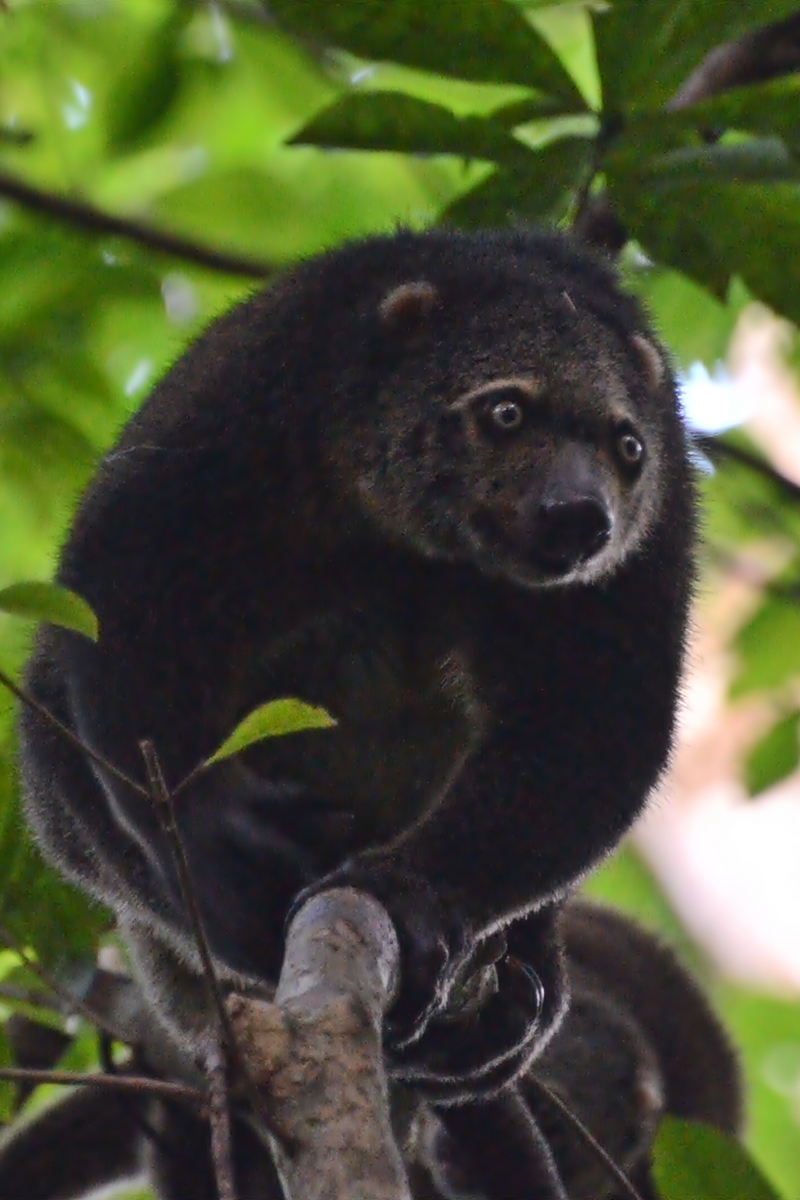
pixel 405 309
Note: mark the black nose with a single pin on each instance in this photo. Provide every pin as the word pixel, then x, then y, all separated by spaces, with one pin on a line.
pixel 569 531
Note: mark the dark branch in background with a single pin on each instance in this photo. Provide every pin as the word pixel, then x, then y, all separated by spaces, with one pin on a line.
pixel 82 215
pixel 755 57
pixel 717 448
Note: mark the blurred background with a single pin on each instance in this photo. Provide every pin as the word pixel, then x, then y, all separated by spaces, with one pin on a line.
pixel 160 158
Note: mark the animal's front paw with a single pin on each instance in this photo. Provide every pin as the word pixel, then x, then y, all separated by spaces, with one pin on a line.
pixel 475 1051
pixel 468 1016
pixel 434 941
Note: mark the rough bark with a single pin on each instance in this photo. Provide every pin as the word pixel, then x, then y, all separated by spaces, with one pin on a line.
pixel 315 1053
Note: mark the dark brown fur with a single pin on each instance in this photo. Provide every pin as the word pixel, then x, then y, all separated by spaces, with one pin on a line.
pixel 329 497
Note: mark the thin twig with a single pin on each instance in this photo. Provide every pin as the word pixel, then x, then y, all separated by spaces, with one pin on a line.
pixel 27 996
pixel 219 1117
pixel 82 215
pixel 126 1083
pixel 66 732
pixel 718 448
pixel 162 798
pixel 591 1141
pixel 220 1056
pixel 72 1002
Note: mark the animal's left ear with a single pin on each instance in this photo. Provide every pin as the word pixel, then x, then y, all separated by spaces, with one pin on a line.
pixel 650 360
pixel 405 309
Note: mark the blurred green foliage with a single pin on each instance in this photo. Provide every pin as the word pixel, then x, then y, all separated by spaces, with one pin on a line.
pixel 272 133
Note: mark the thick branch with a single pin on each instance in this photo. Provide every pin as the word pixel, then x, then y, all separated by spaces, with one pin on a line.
pixel 85 216
pixel 316 1052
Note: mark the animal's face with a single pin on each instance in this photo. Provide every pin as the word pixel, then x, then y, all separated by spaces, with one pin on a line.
pixel 547 497
pixel 536 461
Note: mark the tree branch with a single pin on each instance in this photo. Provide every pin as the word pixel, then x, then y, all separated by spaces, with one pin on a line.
pixel 316 1052
pixel 717 448
pixel 32 703
pixel 222 1049
pixel 125 1083
pixel 84 216
pixel 755 57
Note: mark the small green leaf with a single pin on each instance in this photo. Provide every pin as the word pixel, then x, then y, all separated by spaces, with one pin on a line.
pixel 274 719
pixel 775 756
pixel 49 602
pixel 695 1162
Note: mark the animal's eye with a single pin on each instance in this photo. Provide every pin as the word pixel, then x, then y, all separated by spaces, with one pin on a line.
pixel 507 415
pixel 629 448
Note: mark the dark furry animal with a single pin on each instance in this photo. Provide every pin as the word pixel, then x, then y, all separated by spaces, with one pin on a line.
pixel 638 1041
pixel 438 484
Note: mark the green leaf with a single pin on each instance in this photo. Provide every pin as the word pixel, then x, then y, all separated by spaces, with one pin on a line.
pixel 538 188
pixel 568 29
pixel 148 88
pixel 693 323
pixel 49 602
pixel 767 108
pixel 755 160
pixel 775 756
pixel 647 48
pixel 695 1162
pixel 486 40
pixel 668 231
pixel 766 1032
pixel 393 121
pixel 274 719
pixel 768 647
pixel 714 231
